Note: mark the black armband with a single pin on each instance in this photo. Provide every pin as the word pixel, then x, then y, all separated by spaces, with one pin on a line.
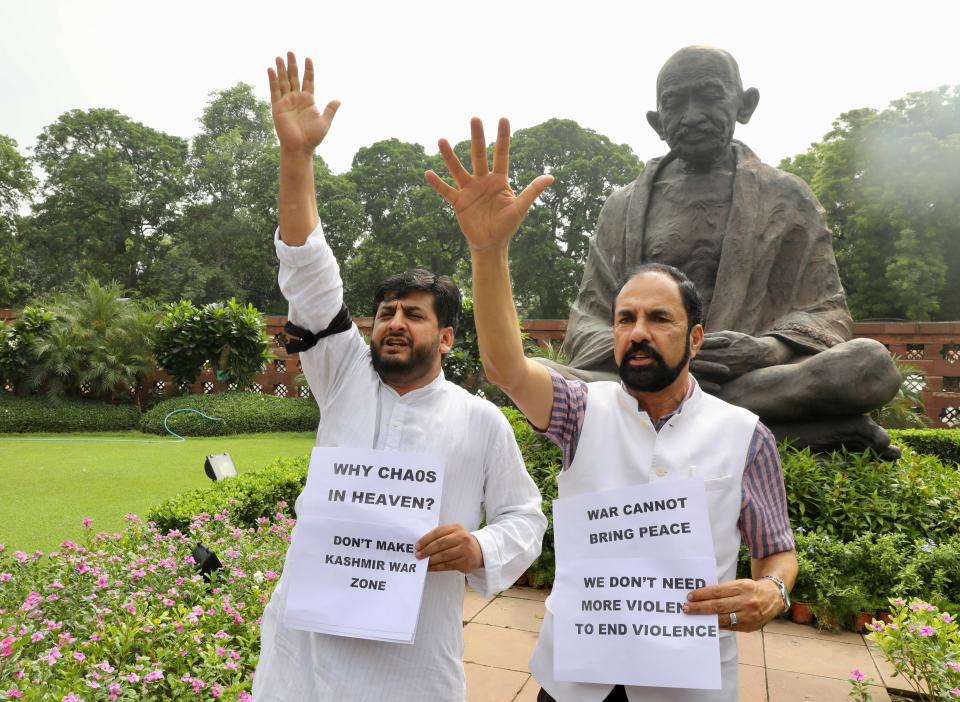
pixel 305 339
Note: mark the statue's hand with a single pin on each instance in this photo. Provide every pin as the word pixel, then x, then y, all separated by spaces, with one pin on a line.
pixel 727 355
pixel 487 210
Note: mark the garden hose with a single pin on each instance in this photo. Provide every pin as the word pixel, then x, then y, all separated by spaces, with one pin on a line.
pixel 177 438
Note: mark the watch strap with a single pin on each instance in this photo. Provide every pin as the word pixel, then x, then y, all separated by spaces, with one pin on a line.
pixel 784 594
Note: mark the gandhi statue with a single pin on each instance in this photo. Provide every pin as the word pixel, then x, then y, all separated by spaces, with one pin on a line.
pixel 754 240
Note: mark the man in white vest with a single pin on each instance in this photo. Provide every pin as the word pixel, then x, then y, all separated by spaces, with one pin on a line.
pixel 389 394
pixel 655 425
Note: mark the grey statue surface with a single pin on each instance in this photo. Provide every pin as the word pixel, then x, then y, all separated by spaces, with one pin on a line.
pixel 754 240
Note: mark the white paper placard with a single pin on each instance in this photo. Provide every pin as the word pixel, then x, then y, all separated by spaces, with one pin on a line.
pixel 668 519
pixel 618 620
pixel 351 569
pixel 352 579
pixel 375 487
pixel 626 559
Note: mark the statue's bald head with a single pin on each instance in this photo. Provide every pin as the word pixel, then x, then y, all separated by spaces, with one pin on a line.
pixel 701 60
pixel 700 99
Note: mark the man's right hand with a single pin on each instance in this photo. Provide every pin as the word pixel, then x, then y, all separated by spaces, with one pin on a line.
pixel 300 125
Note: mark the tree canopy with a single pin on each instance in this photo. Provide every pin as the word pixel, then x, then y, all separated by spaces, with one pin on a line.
pixel 167 219
pixel 890 183
pixel 112 189
pixel 16 188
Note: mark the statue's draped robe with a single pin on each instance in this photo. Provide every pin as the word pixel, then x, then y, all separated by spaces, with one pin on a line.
pixel 777 274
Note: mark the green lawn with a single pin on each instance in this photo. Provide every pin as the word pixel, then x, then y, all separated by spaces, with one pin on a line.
pixel 48 487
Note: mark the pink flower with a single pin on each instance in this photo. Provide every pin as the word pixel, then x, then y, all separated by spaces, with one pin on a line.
pixel 133 677
pixel 6 646
pixel 955 691
pixel 220 650
pixel 216 691
pixel 13 693
pixel 230 665
pixel 53 654
pixel 114 690
pixel 70 697
pixel 21 556
pixel 153 675
pixel 33 599
pixel 87 522
pixel 244 696
pixel 946 617
pixel 926 631
pixel 78 656
pixel 5 577
pixel 857 675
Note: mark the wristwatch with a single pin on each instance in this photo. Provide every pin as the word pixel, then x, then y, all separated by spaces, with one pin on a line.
pixel 784 594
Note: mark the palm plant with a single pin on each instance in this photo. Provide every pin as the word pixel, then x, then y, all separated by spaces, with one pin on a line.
pixel 97 344
pixel 905 409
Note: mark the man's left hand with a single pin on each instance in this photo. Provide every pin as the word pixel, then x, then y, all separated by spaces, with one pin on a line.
pixel 450 547
pixel 754 602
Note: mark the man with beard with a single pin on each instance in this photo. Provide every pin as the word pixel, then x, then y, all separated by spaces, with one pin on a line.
pixel 655 425
pixel 389 395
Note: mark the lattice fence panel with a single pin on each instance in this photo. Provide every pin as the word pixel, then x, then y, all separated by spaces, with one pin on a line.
pixel 915 352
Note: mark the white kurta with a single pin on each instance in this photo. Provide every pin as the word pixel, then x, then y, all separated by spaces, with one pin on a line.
pixel 484 477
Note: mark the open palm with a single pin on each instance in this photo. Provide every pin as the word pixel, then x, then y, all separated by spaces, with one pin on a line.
pixel 487 210
pixel 299 123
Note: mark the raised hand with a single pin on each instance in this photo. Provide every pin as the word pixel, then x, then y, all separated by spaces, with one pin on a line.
pixel 300 125
pixel 487 210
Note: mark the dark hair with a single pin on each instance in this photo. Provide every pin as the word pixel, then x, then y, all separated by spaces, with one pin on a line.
pixel 446 294
pixel 692 302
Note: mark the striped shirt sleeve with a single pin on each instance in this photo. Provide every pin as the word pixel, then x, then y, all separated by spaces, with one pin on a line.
pixel 566 417
pixel 764 523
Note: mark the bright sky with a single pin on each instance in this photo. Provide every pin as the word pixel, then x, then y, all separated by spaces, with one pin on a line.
pixel 418 70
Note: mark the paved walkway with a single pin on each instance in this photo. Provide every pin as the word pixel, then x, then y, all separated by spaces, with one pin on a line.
pixel 785 662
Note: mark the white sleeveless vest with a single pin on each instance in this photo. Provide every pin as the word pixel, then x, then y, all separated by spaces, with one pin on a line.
pixel 707 439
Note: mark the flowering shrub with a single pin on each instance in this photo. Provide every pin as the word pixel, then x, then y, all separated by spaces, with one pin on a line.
pixel 859 686
pixel 922 643
pixel 127 616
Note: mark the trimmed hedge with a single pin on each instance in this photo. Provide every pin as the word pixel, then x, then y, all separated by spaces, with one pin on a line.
pixel 943 443
pixel 242 413
pixel 847 494
pixel 34 415
pixel 248 496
